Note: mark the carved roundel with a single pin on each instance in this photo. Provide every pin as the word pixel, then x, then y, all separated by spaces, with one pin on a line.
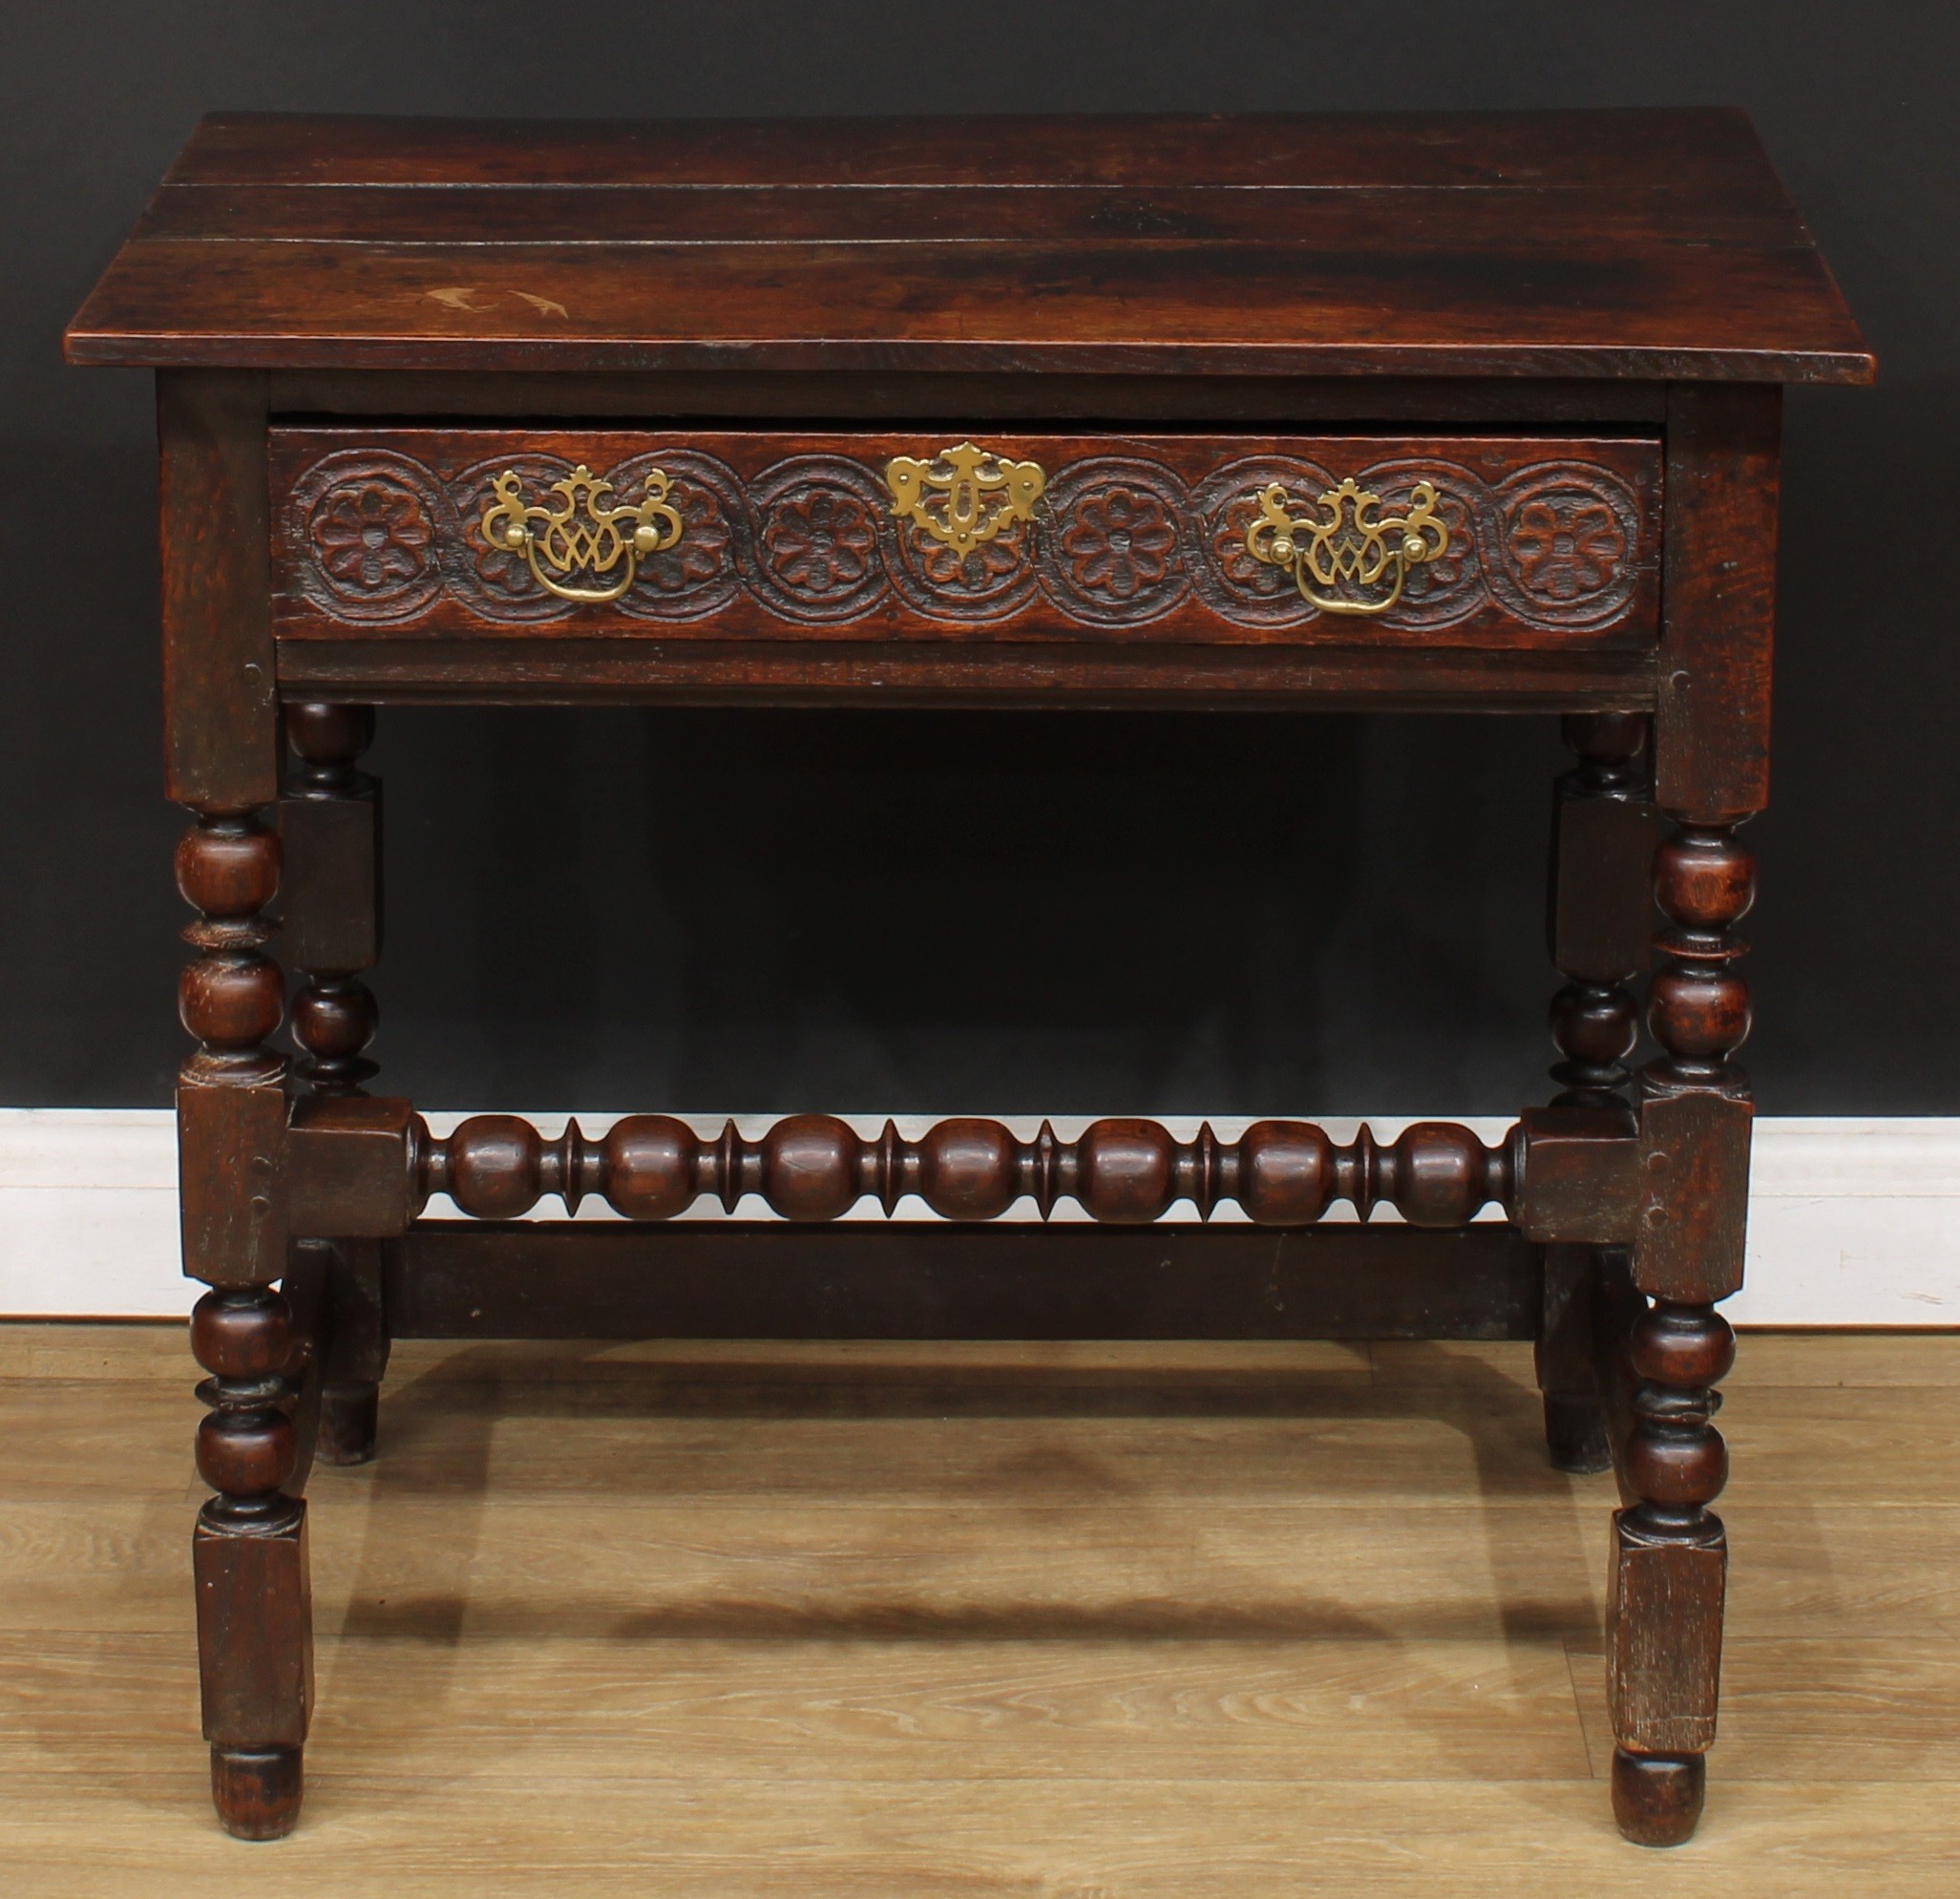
pixel 496 582
pixel 1569 538
pixel 703 570
pixel 369 527
pixel 1230 581
pixel 819 522
pixel 1111 548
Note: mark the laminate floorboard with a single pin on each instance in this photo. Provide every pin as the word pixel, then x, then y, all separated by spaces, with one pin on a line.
pixel 731 1618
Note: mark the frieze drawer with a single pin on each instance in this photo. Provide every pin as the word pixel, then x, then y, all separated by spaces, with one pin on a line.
pixel 1501 541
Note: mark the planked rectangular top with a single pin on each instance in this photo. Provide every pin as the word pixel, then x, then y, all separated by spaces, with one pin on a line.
pixel 1629 244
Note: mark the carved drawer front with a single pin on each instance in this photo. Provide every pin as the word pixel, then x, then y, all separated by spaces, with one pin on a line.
pixel 1465 541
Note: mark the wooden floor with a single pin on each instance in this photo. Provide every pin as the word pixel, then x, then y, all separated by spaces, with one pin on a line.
pixel 1181 1620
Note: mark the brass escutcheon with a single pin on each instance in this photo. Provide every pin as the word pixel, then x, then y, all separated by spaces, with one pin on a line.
pixel 1353 546
pixel 964 495
pixel 583 533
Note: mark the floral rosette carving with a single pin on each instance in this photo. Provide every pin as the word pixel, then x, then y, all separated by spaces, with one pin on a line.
pixel 1570 535
pixel 373 536
pixel 1567 546
pixel 817 537
pixel 369 528
pixel 820 542
pixel 1120 544
pixel 1114 549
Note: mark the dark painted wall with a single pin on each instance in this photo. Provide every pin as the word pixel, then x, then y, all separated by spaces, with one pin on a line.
pixel 712 911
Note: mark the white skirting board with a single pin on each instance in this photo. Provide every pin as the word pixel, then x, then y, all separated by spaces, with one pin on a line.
pixel 1851 1222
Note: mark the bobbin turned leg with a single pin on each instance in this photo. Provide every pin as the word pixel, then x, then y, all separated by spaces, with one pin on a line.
pixel 1670 1552
pixel 1670 1575
pixel 1598 922
pixel 249 1548
pixel 330 823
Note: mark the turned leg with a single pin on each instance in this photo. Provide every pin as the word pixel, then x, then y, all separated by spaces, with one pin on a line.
pixel 249 1548
pixel 1670 1575
pixel 330 823
pixel 1671 1554
pixel 1598 927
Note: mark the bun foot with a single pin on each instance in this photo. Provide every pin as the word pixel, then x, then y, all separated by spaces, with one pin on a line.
pixel 349 1414
pixel 257 1790
pixel 1657 1797
pixel 1575 1435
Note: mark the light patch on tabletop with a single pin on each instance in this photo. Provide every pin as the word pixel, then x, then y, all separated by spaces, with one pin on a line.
pixel 458 297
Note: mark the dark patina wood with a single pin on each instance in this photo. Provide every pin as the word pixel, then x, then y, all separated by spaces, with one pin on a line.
pixel 767 1280
pixel 1554 541
pixel 1571 326
pixel 1649 245
pixel 221 719
pixel 366 1169
pixel 563 670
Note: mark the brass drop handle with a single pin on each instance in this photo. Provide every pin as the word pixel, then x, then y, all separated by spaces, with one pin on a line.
pixel 583 533
pixel 1353 545
pixel 964 495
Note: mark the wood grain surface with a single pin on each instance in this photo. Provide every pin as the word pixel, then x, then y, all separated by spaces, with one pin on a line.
pixel 1624 243
pixel 951 1618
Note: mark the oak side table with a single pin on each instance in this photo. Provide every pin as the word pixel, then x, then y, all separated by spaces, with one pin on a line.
pixel 1420 412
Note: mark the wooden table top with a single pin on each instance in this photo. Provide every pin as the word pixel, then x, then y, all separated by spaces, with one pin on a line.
pixel 1653 244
